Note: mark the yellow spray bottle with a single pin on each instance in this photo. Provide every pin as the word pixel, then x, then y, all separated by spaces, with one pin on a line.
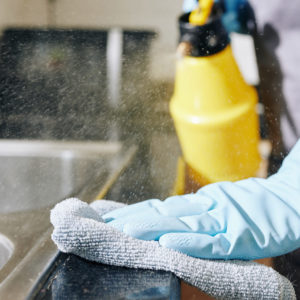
pixel 213 109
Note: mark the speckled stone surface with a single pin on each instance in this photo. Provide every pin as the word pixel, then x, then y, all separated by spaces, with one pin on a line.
pixel 76 278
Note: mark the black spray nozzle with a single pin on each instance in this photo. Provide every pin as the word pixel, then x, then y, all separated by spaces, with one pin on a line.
pixel 204 40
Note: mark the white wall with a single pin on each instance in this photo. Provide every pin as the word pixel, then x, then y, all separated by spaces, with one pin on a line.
pixel 23 13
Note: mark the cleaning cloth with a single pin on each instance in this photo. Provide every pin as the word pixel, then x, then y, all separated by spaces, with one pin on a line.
pixel 79 229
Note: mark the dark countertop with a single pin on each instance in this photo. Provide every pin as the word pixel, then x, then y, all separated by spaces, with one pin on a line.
pixel 75 278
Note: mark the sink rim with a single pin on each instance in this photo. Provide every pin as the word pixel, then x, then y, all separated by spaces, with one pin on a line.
pixel 42 148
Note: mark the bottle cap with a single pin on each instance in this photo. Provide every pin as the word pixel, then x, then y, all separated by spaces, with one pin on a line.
pixel 204 40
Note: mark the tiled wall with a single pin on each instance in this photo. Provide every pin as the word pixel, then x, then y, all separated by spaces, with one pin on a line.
pixel 54 83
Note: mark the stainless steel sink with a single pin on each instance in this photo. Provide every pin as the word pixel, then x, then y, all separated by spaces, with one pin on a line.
pixel 34 175
pixel 37 174
pixel 6 250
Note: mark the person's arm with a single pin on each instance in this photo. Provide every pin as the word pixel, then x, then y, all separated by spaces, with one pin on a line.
pixel 248 219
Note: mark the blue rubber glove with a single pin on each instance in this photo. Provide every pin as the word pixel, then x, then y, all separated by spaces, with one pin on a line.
pixel 249 219
pixel 238 15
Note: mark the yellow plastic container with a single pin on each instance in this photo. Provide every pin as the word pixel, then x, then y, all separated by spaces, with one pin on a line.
pixel 214 112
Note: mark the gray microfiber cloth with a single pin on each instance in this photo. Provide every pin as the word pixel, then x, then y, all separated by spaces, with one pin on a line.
pixel 79 229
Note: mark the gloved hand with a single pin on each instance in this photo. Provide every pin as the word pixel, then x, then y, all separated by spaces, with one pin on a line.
pixel 79 229
pixel 249 219
pixel 238 15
